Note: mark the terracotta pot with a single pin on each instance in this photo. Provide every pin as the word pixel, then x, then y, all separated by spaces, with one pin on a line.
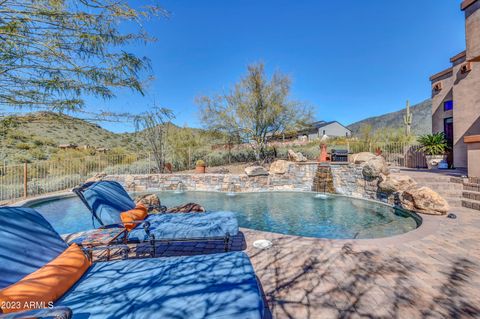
pixel 200 169
pixel 434 160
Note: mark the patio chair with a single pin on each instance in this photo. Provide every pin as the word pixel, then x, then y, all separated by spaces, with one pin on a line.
pixel 106 200
pixel 203 286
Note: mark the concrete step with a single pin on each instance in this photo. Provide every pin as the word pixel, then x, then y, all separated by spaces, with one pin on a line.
pixel 472 204
pixel 471 195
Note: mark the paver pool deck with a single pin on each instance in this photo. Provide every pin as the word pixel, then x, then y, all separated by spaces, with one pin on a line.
pixel 432 272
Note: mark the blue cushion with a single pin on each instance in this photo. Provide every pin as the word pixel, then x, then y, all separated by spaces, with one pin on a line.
pixel 28 242
pixel 208 286
pixel 108 199
pixel 188 225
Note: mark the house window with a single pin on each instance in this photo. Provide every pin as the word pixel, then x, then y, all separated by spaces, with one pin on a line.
pixel 448 105
pixel 323 132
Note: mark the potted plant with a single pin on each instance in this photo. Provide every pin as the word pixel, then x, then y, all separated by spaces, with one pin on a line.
pixel 200 167
pixel 435 148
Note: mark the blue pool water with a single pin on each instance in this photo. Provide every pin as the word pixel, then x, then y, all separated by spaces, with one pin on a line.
pixel 292 213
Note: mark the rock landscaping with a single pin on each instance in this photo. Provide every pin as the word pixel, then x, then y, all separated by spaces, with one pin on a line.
pixel 368 176
pixel 365 176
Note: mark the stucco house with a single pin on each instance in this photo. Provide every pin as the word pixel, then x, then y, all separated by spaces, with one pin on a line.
pixel 456 97
pixel 320 129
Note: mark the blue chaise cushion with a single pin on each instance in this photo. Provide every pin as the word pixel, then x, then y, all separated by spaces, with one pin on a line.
pixel 188 225
pixel 193 287
pixel 108 199
pixel 27 243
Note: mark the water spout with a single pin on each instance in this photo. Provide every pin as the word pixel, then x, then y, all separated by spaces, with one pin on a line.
pixel 231 189
pixel 180 188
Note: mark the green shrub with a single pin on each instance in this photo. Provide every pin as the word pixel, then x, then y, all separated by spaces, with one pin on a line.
pixel 24 146
pixel 433 144
pixel 38 154
pixel 21 158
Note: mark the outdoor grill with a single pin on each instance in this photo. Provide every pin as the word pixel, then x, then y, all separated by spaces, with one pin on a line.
pixel 339 155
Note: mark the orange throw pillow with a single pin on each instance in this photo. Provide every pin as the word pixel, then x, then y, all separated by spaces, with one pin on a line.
pixel 136 214
pixel 47 284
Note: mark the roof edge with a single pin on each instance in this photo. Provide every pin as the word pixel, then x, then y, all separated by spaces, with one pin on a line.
pixel 466 3
pixel 441 73
pixel 458 56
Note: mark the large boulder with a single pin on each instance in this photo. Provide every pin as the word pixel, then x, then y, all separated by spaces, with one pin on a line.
pixel 151 201
pixel 361 157
pixel 187 208
pixel 296 157
pixel 375 167
pixel 396 183
pixel 280 167
pixel 256 171
pixel 425 201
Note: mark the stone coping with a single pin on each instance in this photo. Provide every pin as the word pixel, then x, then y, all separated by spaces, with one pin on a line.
pixel 428 223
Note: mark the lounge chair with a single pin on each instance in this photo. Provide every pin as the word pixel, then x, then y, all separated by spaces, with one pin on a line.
pixel 203 286
pixel 106 200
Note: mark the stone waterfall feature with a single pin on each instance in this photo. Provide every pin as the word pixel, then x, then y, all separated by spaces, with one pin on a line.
pixel 323 180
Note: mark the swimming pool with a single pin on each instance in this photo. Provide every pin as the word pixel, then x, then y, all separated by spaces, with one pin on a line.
pixel 292 213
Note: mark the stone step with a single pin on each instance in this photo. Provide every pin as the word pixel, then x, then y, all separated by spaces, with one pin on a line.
pixel 443 179
pixel 472 204
pixel 471 195
pixel 442 186
pixel 453 201
pixel 457 180
pixel 474 180
pixel 473 187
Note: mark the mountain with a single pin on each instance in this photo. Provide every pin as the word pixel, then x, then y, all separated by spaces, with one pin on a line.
pixel 421 123
pixel 36 136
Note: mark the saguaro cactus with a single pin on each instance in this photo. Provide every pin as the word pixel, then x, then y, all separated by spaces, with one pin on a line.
pixel 407 119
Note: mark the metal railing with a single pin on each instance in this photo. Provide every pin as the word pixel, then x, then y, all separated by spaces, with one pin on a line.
pixel 43 177
pixel 396 154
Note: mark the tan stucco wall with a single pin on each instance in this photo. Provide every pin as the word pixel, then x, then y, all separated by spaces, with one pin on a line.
pixel 466 110
pixel 437 103
pixel 462 88
pixel 472 30
pixel 474 159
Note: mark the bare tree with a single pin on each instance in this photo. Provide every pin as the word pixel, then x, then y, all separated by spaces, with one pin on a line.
pixel 256 108
pixel 153 127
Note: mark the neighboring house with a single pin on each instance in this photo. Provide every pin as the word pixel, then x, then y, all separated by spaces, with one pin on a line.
pixel 456 97
pixel 320 129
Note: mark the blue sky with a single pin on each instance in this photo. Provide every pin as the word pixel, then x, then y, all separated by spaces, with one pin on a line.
pixel 349 59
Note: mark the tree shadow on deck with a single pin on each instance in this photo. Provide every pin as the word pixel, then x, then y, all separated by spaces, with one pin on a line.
pixel 332 281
